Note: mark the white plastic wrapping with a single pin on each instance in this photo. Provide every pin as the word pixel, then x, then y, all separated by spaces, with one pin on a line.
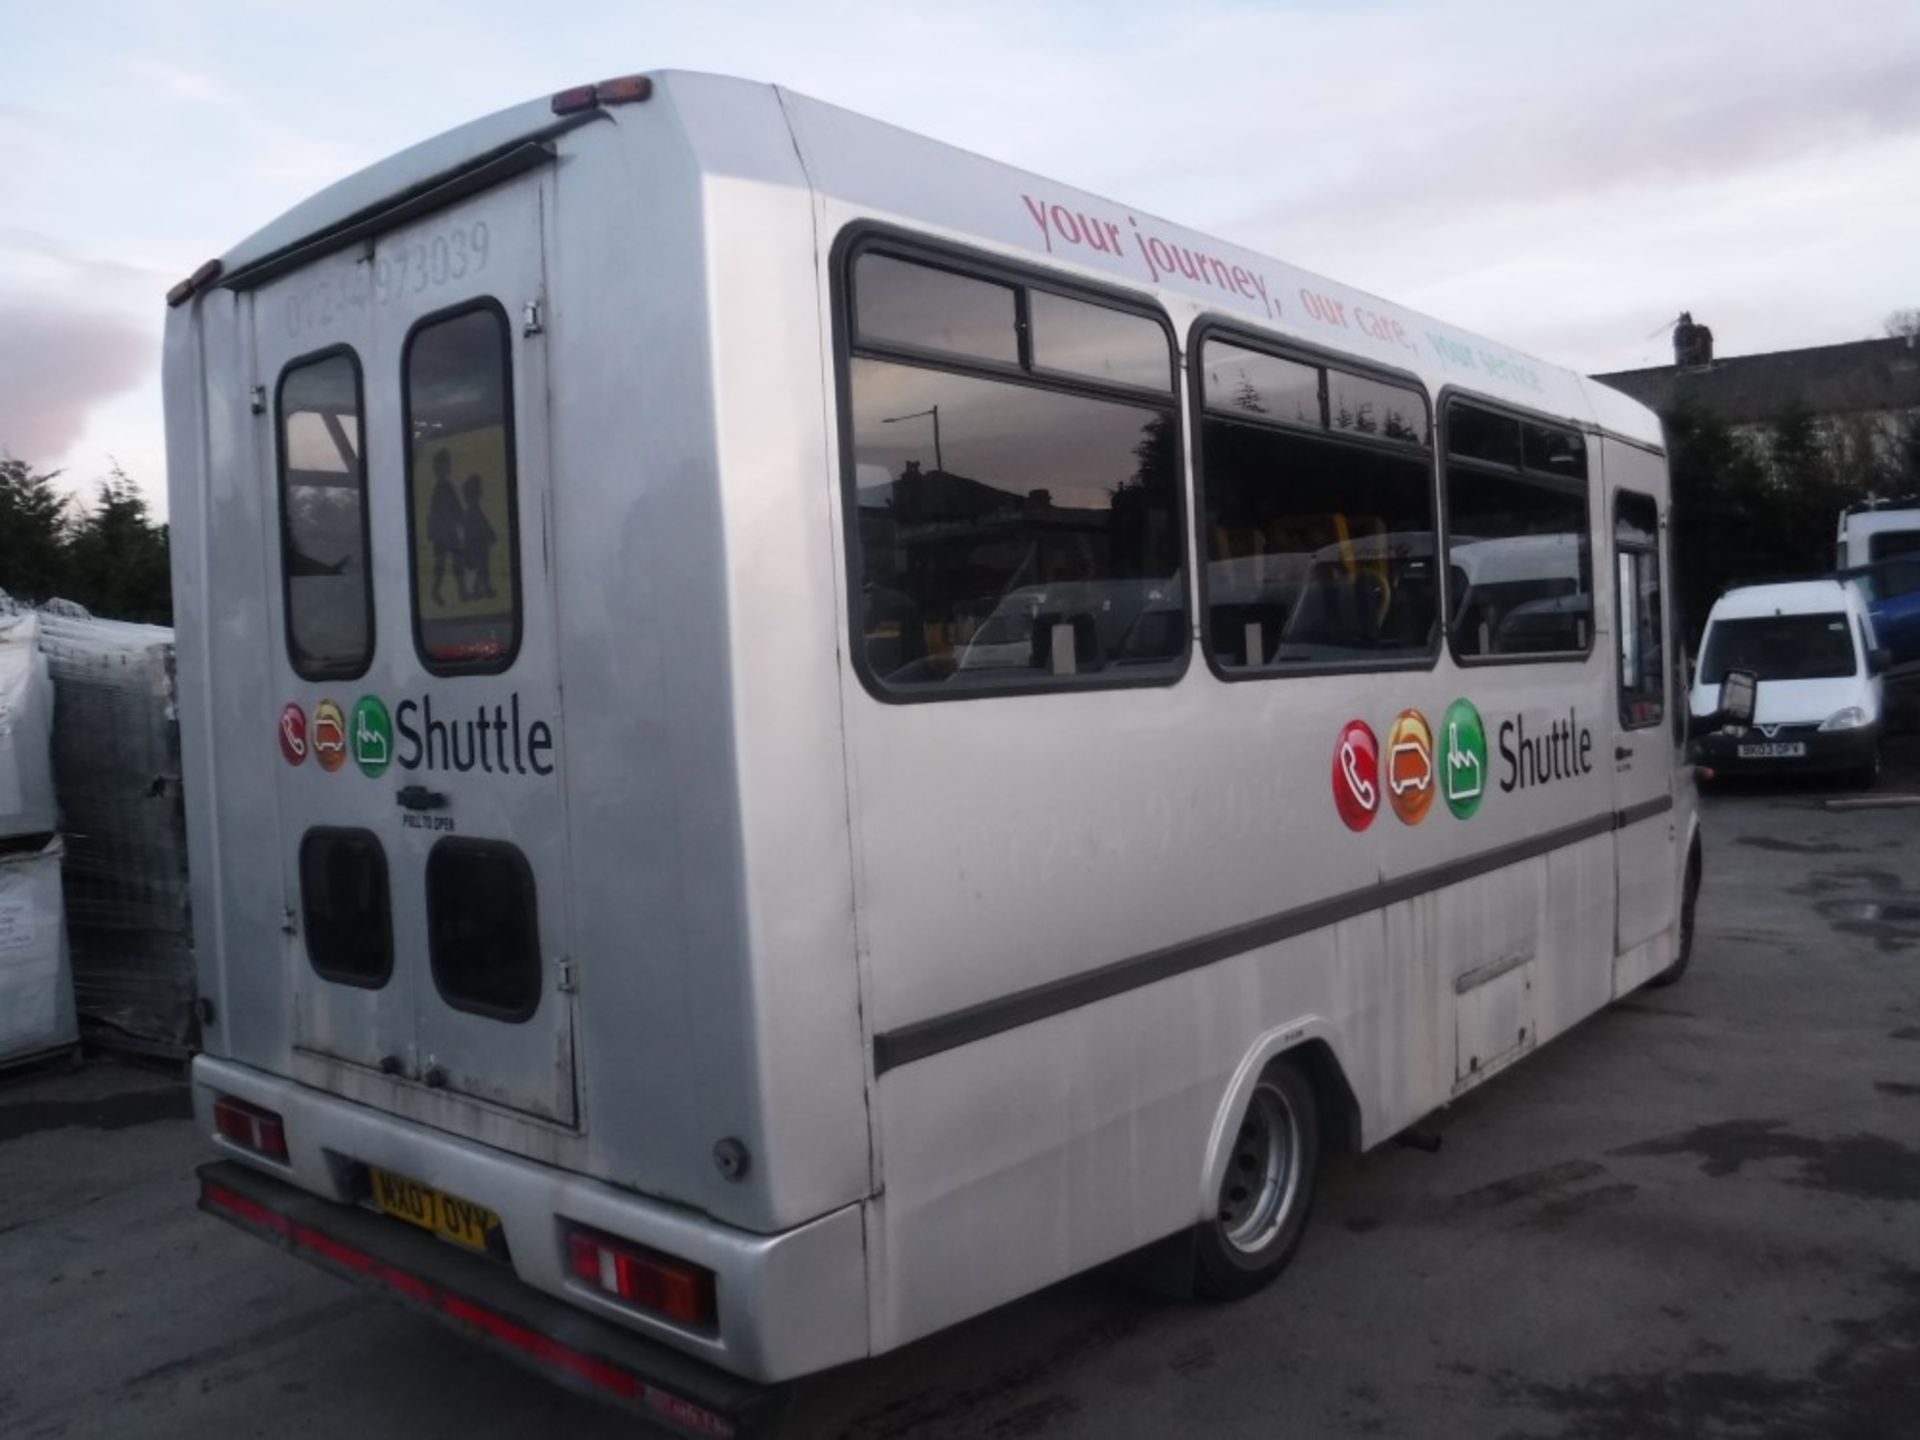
pixel 116 767
pixel 36 979
pixel 26 728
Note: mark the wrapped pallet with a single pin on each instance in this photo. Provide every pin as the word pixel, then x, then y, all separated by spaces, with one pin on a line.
pixel 116 764
pixel 36 982
pixel 26 724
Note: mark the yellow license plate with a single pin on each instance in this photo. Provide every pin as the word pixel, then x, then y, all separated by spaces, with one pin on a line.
pixel 460 1221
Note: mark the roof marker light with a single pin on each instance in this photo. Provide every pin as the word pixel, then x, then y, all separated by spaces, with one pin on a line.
pixel 621 90
pixel 185 290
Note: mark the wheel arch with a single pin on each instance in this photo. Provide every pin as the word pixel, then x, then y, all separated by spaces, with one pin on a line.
pixel 1309 1043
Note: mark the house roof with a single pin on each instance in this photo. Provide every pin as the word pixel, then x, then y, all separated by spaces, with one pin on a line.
pixel 1860 377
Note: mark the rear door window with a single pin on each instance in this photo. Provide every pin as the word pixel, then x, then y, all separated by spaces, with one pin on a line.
pixel 345 906
pixel 462 509
pixel 483 928
pixel 327 586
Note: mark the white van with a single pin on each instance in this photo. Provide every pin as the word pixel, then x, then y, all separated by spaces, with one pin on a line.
pixel 1876 531
pixel 792 733
pixel 1820 701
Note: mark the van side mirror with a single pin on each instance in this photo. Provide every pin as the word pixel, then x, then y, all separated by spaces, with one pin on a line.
pixel 1879 660
pixel 1737 693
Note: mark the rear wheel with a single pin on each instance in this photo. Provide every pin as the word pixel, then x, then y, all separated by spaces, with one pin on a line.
pixel 1267 1191
pixel 1689 901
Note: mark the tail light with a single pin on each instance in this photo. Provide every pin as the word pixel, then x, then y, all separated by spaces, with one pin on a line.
pixel 644 1278
pixel 250 1127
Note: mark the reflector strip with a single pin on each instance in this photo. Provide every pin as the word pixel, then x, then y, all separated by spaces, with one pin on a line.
pixel 619 1383
pixel 252 1213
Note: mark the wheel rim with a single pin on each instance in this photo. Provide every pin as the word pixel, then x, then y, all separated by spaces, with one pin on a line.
pixel 1256 1194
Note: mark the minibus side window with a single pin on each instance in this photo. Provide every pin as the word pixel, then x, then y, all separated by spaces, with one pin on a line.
pixel 1519 562
pixel 326 583
pixel 1642 628
pixel 462 509
pixel 1013 507
pixel 483 929
pixel 345 908
pixel 1317 523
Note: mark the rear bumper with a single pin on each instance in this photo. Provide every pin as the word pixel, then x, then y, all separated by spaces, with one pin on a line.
pixel 789 1303
pixel 484 1302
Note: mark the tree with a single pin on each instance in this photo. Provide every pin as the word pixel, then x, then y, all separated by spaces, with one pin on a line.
pixel 1720 501
pixel 1904 324
pixel 117 559
pixel 32 526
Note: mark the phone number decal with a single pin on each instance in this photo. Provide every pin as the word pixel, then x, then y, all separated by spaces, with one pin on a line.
pixel 412 268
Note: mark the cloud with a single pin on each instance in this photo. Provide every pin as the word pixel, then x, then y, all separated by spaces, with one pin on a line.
pixel 57 366
pixel 180 82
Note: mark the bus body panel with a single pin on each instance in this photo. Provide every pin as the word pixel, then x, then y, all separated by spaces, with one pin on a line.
pixel 770 876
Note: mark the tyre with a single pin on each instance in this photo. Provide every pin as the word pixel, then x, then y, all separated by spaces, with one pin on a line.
pixel 1689 901
pixel 1867 774
pixel 1267 1191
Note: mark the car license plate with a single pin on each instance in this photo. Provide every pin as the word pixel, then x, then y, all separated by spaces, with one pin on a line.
pixel 1774 750
pixel 461 1221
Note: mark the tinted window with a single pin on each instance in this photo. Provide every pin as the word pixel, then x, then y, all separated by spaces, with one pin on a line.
pixel 461 498
pixel 898 303
pixel 1018 532
pixel 1100 343
pixel 1033 536
pixel 323 514
pixel 1553 451
pixel 1642 626
pixel 1519 568
pixel 1779 647
pixel 1889 543
pixel 1319 547
pixel 483 932
pixel 1317 552
pixel 1262 386
pixel 344 905
pixel 1476 434
pixel 1369 407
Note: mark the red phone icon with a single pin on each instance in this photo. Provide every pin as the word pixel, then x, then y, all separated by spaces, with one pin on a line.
pixel 1362 787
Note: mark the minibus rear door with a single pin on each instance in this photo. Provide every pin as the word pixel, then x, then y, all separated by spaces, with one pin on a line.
pixel 433 764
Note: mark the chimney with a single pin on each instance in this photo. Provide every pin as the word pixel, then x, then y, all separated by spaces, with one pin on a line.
pixel 1692 344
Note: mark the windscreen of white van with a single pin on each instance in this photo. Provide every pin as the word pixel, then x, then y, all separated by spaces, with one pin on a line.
pixel 1780 647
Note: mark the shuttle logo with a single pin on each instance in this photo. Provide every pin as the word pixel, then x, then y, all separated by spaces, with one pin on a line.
pixel 1356 775
pixel 1464 769
pixel 493 739
pixel 1410 767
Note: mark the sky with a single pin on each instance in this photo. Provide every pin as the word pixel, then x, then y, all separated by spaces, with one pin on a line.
pixel 1562 177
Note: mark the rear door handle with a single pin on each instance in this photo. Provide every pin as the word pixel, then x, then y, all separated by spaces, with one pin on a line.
pixel 1623 752
pixel 418 797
